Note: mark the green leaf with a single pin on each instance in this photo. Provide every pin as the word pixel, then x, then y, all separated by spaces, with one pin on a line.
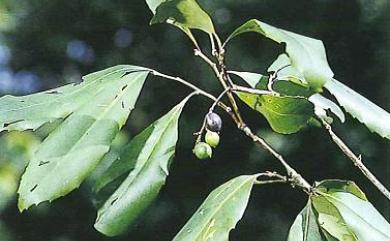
pixel 70 153
pixel 344 211
pixel 286 114
pixel 252 79
pixel 126 160
pixel 305 226
pixel 321 104
pixel 374 117
pixel 220 212
pixel 341 212
pixel 32 111
pixel 153 150
pixel 307 54
pixel 360 216
pixel 282 65
pixel 330 220
pixel 184 14
pixel 334 185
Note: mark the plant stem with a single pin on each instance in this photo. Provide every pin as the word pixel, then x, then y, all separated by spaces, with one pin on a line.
pixel 200 132
pixel 243 89
pixel 277 178
pixel 357 160
pixel 295 178
pixel 222 74
pixel 197 89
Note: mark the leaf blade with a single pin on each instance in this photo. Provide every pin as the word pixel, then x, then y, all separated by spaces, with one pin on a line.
pixel 184 14
pixel 75 147
pixel 361 217
pixel 372 116
pixel 147 178
pixel 344 213
pixel 305 226
pixel 308 55
pixel 220 212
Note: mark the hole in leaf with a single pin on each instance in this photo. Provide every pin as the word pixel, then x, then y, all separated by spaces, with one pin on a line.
pixel 123 105
pixel 124 87
pixel 12 122
pixel 53 92
pixel 133 71
pixel 41 163
pixel 113 201
pixel 34 187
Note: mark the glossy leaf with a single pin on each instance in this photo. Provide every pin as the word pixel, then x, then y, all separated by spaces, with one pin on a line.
pixel 220 212
pixel 72 151
pixel 307 54
pixel 151 151
pixel 374 117
pixel 286 114
pixel 184 14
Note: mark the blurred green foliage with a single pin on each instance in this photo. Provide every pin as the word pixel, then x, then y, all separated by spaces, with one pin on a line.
pixel 46 43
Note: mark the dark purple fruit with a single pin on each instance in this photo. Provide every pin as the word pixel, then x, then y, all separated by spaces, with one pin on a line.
pixel 213 122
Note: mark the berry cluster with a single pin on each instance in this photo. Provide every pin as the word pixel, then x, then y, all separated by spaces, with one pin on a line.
pixel 202 150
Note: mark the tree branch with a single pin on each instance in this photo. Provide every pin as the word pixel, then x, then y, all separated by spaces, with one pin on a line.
pixel 223 80
pixel 357 160
pixel 197 89
pixel 274 176
pixel 295 178
pixel 220 71
pixel 243 89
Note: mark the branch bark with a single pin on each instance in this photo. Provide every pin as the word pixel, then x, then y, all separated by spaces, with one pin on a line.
pixel 357 161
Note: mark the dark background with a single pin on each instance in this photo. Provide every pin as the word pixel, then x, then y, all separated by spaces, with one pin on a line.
pixel 47 43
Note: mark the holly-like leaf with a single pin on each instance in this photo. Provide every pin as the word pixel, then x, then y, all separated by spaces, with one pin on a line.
pixel 307 54
pixel 220 212
pixel 151 151
pixel 286 114
pixel 184 14
pixel 70 153
pixel 374 117
pixel 341 212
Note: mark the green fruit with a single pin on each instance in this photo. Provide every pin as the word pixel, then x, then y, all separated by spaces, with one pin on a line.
pixel 202 150
pixel 212 138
